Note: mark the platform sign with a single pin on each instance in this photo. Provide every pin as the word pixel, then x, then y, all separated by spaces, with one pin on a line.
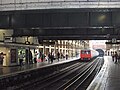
pixel 8 39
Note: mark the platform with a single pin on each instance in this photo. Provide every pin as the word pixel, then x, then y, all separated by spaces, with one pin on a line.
pixel 108 77
pixel 4 71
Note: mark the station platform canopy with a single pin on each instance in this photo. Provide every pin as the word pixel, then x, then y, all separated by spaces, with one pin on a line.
pixel 6 5
pixel 62 19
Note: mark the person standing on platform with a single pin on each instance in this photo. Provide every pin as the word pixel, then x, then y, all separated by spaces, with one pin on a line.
pixel 49 57
pixel 21 56
pixel 116 57
pixel 113 56
pixel 27 56
pixel 108 53
pixel 35 57
pixel 66 55
pixel 42 57
pixel 30 57
pixel 52 57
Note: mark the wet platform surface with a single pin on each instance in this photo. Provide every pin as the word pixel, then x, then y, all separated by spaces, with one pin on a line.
pixel 108 77
pixel 15 69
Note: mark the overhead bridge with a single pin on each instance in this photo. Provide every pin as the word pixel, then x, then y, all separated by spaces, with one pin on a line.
pixel 55 24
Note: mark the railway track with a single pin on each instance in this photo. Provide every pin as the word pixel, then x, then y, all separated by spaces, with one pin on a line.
pixel 69 78
pixel 76 82
pixel 50 77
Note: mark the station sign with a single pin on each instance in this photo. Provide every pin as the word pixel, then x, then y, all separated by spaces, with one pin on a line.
pixel 8 39
pixel 113 41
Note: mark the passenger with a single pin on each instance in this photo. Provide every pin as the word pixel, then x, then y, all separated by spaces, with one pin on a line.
pixel 42 57
pixel 113 56
pixel 52 57
pixel 39 56
pixel 116 57
pixel 26 57
pixel 30 57
pixel 108 53
pixel 49 57
pixel 21 56
pixel 76 53
pixel 66 56
pixel 35 57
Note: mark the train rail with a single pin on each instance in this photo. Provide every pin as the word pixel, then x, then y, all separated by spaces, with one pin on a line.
pixel 68 78
pixel 47 78
pixel 71 83
pixel 76 82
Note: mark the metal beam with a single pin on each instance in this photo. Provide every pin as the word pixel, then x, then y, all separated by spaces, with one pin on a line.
pixel 64 23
